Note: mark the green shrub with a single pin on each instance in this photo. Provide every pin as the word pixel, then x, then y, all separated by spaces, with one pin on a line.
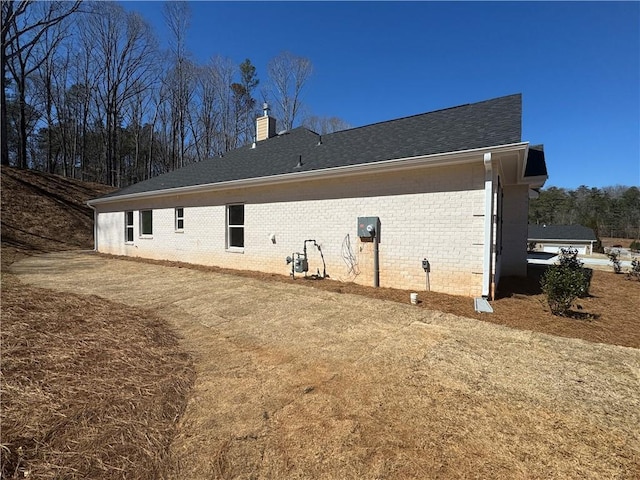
pixel 563 282
pixel 569 259
pixel 635 246
pixel 614 258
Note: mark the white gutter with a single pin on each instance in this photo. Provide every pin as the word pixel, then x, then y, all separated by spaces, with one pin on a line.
pixel 488 225
pixel 95 227
pixel 399 164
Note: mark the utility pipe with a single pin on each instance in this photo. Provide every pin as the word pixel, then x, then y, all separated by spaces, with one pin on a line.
pixel 95 227
pixel 376 261
pixel 488 225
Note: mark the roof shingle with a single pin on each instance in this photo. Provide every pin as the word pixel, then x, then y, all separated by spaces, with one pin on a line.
pixel 477 125
pixel 560 232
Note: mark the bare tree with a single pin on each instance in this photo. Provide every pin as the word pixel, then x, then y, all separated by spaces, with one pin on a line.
pixel 288 74
pixel 244 103
pixel 23 25
pixel 203 120
pixel 324 125
pixel 52 77
pixel 180 79
pixel 222 71
pixel 125 53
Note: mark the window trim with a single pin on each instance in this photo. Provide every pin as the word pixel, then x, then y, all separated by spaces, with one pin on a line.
pixel 142 233
pixel 128 226
pixel 229 226
pixel 177 219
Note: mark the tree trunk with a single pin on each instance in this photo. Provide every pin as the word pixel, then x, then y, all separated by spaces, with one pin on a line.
pixel 3 107
pixel 22 126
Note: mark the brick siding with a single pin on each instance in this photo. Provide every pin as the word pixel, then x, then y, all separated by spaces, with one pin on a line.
pixel 437 213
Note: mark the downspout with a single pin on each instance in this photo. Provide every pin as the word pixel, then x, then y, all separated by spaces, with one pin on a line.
pixel 488 226
pixel 95 227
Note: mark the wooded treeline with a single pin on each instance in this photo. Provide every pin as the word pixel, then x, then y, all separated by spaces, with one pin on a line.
pixel 609 211
pixel 88 93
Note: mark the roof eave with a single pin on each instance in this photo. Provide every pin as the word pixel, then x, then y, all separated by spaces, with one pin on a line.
pixel 394 165
pixel 536 182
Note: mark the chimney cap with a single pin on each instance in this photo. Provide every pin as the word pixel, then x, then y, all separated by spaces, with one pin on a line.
pixel 265 109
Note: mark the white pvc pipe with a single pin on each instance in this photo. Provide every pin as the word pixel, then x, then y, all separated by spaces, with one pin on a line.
pixel 95 227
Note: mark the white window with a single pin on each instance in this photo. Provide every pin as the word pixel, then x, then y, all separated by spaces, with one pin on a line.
pixel 146 222
pixel 179 219
pixel 128 227
pixel 235 226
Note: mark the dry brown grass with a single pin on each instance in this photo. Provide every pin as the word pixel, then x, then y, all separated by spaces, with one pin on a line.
pixel 611 241
pixel 608 315
pixel 295 382
pixel 44 213
pixel 90 388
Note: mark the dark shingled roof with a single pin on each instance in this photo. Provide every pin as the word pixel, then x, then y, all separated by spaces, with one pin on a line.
pixel 476 125
pixel 560 232
pixel 536 165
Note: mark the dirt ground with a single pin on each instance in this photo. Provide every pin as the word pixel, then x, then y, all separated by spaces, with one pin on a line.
pixel 609 314
pixel 611 241
pixel 294 382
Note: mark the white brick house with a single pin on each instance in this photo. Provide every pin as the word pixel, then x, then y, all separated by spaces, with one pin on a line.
pixel 451 186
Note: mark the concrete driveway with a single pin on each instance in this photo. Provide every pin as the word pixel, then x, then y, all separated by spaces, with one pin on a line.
pixel 540 258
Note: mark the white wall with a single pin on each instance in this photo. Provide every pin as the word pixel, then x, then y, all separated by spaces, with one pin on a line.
pixel 437 213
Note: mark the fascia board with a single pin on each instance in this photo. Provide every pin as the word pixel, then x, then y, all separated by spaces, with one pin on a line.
pixel 385 166
pixel 535 182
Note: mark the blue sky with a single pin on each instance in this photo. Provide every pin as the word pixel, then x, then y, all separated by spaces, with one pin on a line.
pixel 577 65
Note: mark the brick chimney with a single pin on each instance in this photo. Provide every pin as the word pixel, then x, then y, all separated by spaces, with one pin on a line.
pixel 265 125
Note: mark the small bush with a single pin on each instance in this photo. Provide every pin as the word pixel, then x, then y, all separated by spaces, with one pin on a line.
pixel 564 282
pixel 635 246
pixel 569 259
pixel 614 258
pixel 634 273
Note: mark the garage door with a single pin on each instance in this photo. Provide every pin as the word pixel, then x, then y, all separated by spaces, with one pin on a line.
pixel 556 248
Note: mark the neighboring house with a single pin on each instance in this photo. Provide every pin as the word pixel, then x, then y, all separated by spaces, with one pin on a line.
pixel 551 238
pixel 450 186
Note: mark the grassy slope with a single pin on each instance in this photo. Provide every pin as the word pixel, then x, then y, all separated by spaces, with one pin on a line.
pixel 42 212
pixel 90 388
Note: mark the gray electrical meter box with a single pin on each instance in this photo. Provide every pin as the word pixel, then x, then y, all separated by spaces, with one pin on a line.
pixel 368 227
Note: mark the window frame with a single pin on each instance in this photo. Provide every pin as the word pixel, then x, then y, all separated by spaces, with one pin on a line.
pixel 230 226
pixel 144 234
pixel 128 227
pixel 179 217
